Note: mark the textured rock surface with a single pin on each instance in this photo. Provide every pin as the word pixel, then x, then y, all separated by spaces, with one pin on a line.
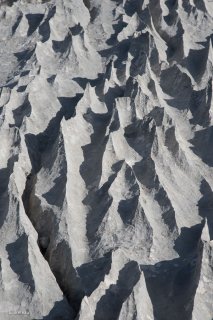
pixel 106 160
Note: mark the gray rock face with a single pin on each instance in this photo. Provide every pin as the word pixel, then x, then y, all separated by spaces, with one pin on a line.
pixel 106 160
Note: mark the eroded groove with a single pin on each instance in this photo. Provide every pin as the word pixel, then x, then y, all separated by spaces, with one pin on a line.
pixel 58 258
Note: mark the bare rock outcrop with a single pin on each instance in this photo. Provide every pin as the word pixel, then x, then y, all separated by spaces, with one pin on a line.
pixel 106 160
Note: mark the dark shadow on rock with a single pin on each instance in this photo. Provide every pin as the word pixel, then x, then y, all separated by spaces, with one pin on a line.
pixel 11 84
pixel 33 20
pixel 47 138
pixel 140 136
pixel 21 88
pixel 151 86
pixel 87 4
pixel 120 51
pixel 175 50
pixel 8 2
pixel 200 5
pixel 44 148
pixel 174 43
pixel 60 311
pixel 24 56
pixel 117 29
pixel 172 285
pixel 171 141
pixel 187 6
pixel 188 240
pixel 203 145
pixel 157 114
pixel 205 205
pixel 16 24
pixel 146 174
pixel 91 168
pixel 156 13
pixel 93 82
pixel 76 30
pixel 115 124
pixel 43 220
pixel 4 200
pixel 154 60
pixel 60 262
pixel 172 4
pixel 24 73
pixel 168 212
pixel 51 79
pixel 33 152
pixel 68 105
pixel 196 61
pixel 139 49
pixel 55 196
pixel 44 28
pixel 110 97
pixel 127 208
pixel 58 256
pixel 200 105
pixel 99 201
pixel 44 141
pixel 27 193
pixel 109 306
pixel 91 171
pixel 92 273
pixel 5 174
pixel 19 261
pixel 133 6
pixel 93 13
pixel 21 112
pixel 171 79
pixel 63 46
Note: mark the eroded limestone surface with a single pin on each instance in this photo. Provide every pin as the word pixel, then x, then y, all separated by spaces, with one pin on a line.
pixel 106 160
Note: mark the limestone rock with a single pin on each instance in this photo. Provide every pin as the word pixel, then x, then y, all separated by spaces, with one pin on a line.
pixel 106 160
